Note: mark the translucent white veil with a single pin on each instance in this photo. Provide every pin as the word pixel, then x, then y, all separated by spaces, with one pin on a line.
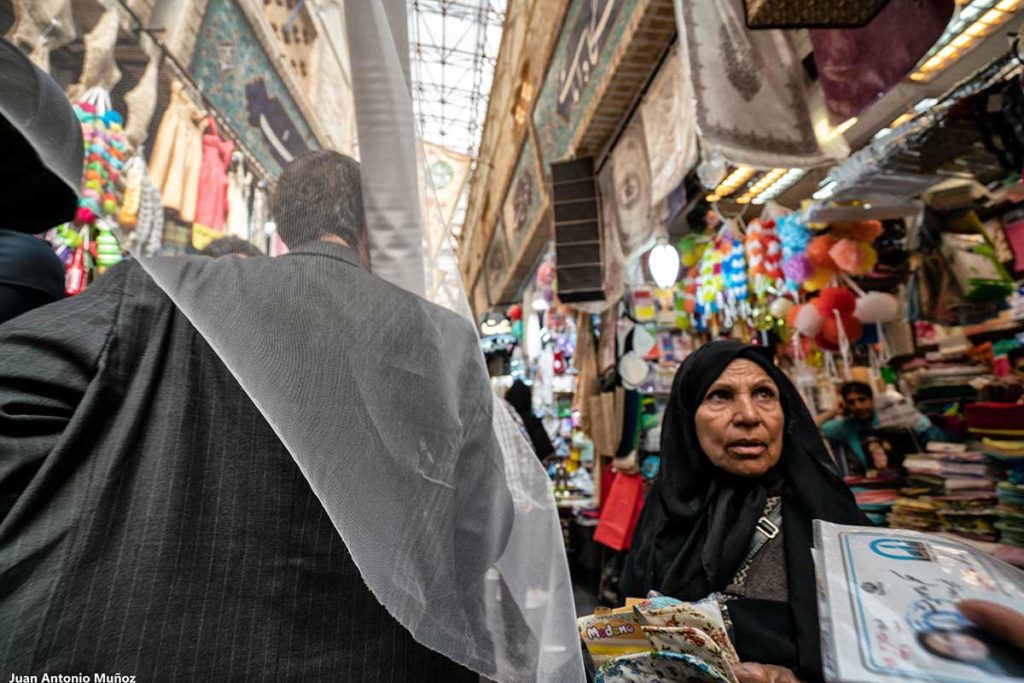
pixel 389 413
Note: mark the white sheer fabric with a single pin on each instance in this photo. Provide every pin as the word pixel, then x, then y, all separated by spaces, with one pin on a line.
pixel 383 400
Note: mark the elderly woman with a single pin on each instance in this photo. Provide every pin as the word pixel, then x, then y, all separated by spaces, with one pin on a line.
pixel 744 472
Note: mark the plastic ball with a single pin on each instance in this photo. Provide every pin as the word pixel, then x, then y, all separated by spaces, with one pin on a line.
pixel 818 251
pixel 515 312
pixel 780 308
pixel 836 299
pixel 808 321
pixel 877 307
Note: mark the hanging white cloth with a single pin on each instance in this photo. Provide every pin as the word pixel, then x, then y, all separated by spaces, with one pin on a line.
pixel 669 127
pixel 748 88
pixel 239 192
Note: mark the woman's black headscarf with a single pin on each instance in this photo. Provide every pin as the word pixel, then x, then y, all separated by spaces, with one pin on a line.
pixel 698 520
pixel 520 397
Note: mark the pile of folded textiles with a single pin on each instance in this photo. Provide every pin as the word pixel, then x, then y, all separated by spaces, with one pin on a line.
pixel 1011 490
pixel 919 514
pixel 942 378
pixel 996 420
pixel 950 469
pixel 971 516
pixel 875 495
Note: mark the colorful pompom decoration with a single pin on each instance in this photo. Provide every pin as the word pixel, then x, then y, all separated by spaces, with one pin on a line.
pixel 797 269
pixel 819 280
pixel 818 251
pixel 859 231
pixel 855 258
pixel 851 326
pixel 808 320
pixel 877 307
pixel 836 299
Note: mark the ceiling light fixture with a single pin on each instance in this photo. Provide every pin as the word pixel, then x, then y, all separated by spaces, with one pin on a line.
pixel 975 21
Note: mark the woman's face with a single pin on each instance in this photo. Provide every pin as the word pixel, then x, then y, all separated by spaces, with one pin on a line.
pixel 740 421
pixel 959 646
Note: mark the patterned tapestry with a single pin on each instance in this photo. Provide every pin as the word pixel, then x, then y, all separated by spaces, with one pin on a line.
pixel 239 79
pixel 526 199
pixel 496 263
pixel 591 34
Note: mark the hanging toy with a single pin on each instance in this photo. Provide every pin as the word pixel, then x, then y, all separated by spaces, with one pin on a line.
pixel 99 205
pixel 75 274
pixel 794 236
pixel 108 251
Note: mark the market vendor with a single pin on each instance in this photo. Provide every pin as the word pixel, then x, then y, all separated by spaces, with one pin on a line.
pixel 849 426
pixel 744 472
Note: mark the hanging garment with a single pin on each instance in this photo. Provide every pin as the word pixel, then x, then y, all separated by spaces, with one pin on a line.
pixel 99 67
pixel 141 102
pixel 669 128
pixel 177 154
pixel 212 203
pixel 748 87
pixel 239 192
pixel 35 18
pixel 857 66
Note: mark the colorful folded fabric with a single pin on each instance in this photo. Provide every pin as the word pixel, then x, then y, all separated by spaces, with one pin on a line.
pixel 995 416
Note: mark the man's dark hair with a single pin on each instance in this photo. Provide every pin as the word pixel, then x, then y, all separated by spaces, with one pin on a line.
pixel 317 195
pixel 226 246
pixel 855 388
pixel 1015 355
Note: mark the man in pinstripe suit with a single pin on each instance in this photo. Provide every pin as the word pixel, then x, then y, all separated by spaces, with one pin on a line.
pixel 151 522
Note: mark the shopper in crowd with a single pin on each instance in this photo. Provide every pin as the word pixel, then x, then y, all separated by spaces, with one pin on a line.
pixel 151 521
pixel 230 246
pixel 42 153
pixel 1016 359
pixel 849 426
pixel 520 397
pixel 744 472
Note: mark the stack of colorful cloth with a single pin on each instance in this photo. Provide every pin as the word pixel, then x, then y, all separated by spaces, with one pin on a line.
pixel 948 469
pixel 875 495
pixel 943 378
pixel 1001 429
pixel 919 514
pixel 972 516
pixel 996 420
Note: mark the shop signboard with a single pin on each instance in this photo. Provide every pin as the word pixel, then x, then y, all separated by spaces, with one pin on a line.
pixel 237 76
pixel 526 198
pixel 582 62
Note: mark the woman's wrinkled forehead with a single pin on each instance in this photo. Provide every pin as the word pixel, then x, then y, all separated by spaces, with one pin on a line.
pixel 705 365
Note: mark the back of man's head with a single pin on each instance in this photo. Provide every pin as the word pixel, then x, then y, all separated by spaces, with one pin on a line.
pixel 320 195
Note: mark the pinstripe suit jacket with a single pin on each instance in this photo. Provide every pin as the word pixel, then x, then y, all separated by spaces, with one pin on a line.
pixel 151 523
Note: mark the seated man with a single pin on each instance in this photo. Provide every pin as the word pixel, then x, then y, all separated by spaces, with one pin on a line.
pixel 850 426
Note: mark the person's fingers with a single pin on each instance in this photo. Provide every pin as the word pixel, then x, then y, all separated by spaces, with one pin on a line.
pixel 748 672
pixel 1001 621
